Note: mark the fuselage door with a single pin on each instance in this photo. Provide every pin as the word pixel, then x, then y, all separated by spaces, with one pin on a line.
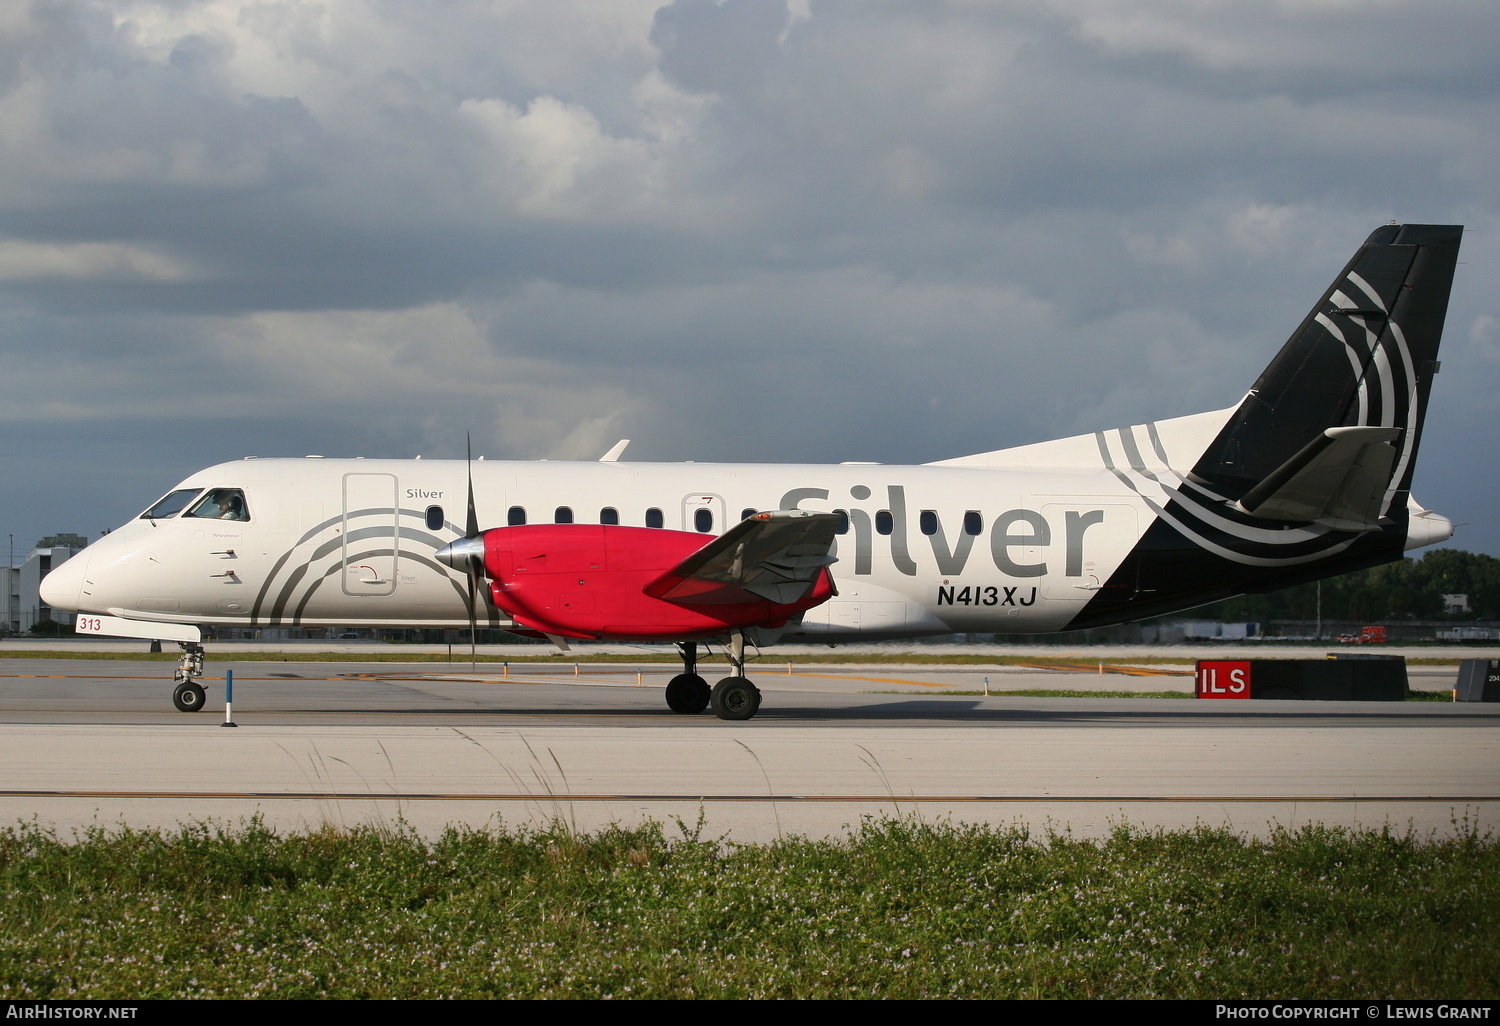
pixel 371 534
pixel 1090 539
pixel 704 513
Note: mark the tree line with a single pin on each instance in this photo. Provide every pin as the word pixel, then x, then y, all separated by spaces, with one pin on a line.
pixel 1410 589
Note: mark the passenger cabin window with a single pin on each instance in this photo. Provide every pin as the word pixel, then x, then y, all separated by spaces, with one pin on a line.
pixel 171 504
pixel 703 520
pixel 746 514
pixel 843 527
pixel 883 522
pixel 973 522
pixel 928 521
pixel 221 504
pixel 563 515
pixel 609 515
pixel 434 518
pixel 516 517
pixel 654 517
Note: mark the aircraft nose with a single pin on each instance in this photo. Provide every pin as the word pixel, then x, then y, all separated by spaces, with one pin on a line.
pixel 63 587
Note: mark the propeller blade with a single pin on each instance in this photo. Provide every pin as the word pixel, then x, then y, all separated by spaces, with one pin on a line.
pixel 473 629
pixel 466 555
pixel 476 562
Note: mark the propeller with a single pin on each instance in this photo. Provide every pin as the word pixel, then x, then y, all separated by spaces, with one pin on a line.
pixel 467 553
pixel 476 563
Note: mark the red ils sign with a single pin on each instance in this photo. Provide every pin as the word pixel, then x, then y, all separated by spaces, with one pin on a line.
pixel 1223 679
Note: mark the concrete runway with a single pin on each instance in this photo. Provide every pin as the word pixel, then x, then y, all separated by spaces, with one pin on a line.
pixel 323 744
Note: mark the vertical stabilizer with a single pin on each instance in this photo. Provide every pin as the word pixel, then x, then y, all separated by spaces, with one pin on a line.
pixel 1363 357
pixel 1310 475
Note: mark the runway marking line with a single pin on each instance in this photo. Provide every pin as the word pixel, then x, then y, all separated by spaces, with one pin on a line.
pixel 531 678
pixel 68 676
pixel 1096 668
pixel 528 679
pixel 552 797
pixel 874 680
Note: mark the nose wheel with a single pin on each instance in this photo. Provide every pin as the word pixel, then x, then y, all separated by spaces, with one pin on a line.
pixel 189 697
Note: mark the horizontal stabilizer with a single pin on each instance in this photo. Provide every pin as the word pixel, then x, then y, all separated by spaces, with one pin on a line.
pixel 776 557
pixel 1337 480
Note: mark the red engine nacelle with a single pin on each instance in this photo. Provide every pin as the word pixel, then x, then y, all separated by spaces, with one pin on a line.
pixel 588 581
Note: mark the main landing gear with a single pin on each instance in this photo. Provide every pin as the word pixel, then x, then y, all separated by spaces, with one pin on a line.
pixel 733 698
pixel 687 692
pixel 188 695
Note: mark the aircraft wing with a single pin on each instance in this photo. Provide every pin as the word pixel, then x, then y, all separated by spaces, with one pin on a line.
pixel 775 557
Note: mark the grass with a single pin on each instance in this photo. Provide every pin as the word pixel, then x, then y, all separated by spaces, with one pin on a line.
pixel 899 909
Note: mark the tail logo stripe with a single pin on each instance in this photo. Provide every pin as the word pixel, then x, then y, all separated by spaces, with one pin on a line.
pixel 1180 510
pixel 1171 488
pixel 1413 415
pixel 1364 287
pixel 1355 364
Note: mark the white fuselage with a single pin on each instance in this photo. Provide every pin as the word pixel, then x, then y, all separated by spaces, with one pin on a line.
pixel 1012 541
pixel 928 550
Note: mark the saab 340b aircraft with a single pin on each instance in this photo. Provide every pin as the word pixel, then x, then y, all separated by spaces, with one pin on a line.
pixel 1306 477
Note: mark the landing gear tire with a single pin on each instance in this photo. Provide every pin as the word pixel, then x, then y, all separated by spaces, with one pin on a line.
pixel 735 698
pixel 188 697
pixel 688 693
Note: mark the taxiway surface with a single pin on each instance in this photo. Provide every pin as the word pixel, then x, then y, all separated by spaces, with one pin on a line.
pixel 98 744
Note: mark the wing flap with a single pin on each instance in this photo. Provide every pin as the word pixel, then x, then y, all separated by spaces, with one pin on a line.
pixel 775 557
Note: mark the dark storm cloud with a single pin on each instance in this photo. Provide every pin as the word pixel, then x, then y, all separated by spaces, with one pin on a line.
pixel 745 229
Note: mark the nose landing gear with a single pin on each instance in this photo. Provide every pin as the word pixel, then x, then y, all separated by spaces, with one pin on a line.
pixel 188 695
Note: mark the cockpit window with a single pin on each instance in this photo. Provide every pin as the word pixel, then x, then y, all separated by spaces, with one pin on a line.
pixel 171 504
pixel 221 504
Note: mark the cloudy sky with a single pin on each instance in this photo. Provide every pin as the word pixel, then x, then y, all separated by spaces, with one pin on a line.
pixel 749 230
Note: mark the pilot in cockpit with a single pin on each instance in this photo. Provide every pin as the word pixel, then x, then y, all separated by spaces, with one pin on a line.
pixel 221 504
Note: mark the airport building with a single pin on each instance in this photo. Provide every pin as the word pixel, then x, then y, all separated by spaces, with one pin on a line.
pixel 21 606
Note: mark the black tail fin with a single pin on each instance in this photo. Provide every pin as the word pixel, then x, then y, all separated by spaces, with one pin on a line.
pixel 1310 475
pixel 1364 357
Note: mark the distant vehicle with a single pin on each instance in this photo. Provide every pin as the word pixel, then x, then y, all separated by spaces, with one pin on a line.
pixel 1307 476
pixel 1366 636
pixel 1469 634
